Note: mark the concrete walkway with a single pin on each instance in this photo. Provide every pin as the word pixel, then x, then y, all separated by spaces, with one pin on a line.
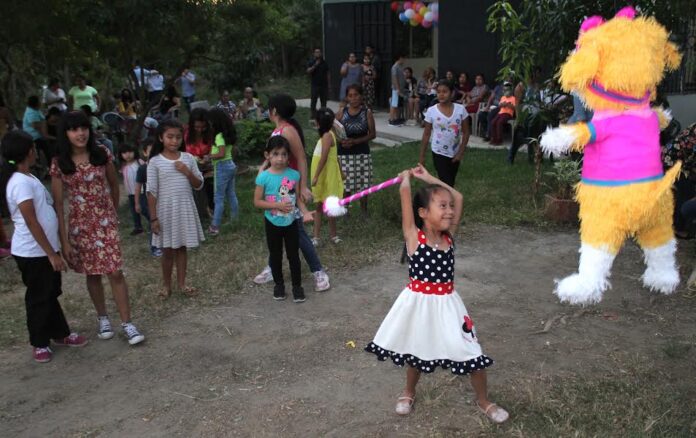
pixel 391 136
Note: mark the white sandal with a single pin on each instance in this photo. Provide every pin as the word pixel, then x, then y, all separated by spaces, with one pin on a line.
pixel 404 404
pixel 336 240
pixel 315 241
pixel 494 412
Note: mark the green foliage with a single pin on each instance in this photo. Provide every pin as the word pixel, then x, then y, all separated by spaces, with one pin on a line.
pixel 233 43
pixel 542 32
pixel 565 175
pixel 251 139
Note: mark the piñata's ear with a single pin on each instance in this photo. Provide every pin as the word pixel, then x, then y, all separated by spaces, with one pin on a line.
pixel 629 12
pixel 672 56
pixel 590 23
pixel 580 68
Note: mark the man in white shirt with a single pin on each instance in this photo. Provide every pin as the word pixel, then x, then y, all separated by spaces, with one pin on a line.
pixel 54 96
pixel 155 87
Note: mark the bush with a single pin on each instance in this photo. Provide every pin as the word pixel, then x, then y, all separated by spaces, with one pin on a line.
pixel 251 138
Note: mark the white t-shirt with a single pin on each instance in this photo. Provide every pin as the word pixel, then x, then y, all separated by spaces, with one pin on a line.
pixel 23 187
pixel 155 82
pixel 59 94
pixel 129 172
pixel 447 131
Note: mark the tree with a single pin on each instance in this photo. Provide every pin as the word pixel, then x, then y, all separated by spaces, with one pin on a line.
pixel 542 32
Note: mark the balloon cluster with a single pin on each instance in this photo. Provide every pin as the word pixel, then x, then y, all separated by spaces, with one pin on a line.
pixel 417 13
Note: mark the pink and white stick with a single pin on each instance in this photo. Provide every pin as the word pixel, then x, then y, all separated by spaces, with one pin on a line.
pixel 336 207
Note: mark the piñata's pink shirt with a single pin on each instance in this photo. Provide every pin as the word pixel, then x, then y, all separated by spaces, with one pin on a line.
pixel 624 148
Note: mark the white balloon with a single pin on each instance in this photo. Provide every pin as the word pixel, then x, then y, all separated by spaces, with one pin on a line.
pixel 434 7
pixel 410 13
pixel 428 16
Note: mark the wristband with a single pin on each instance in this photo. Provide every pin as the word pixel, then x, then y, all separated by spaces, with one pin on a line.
pixel 154 220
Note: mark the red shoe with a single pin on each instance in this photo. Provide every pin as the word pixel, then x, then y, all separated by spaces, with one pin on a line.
pixel 42 355
pixel 73 340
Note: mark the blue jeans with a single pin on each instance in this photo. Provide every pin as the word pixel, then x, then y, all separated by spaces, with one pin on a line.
pixel 308 250
pixel 225 172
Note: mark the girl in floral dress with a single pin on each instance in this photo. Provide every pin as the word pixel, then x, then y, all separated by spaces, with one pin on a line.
pixel 90 240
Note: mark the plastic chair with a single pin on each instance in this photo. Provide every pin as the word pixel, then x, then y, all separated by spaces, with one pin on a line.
pixel 114 121
pixel 474 119
pixel 200 104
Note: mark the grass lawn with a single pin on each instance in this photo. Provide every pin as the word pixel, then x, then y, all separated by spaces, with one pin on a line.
pixel 494 193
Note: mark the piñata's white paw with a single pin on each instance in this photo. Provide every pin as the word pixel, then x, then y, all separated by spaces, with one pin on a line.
pixel 557 141
pixel 661 274
pixel 577 291
pixel 588 285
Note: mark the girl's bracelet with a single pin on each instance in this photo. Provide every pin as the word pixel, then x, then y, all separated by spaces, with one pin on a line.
pixel 154 220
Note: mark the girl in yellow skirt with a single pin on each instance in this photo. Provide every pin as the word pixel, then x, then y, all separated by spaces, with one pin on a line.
pixel 325 172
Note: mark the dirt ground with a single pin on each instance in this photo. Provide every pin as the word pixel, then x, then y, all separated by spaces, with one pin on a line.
pixel 255 367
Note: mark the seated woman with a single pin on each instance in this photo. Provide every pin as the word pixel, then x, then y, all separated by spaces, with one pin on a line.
pixel 127 107
pixel 426 89
pixel 412 93
pixel 169 104
pixel 227 106
pixel 478 94
pixel 506 112
pixel 462 88
pixel 249 107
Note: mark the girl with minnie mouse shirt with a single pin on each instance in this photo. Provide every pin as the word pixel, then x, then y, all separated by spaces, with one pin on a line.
pixel 276 193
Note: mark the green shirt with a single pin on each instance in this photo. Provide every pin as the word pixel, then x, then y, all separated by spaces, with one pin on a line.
pixel 83 97
pixel 220 141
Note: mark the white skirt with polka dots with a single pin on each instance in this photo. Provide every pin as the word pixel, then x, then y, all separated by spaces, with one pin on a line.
pixel 427 331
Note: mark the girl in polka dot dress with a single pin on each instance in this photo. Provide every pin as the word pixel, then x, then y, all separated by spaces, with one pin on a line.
pixel 428 326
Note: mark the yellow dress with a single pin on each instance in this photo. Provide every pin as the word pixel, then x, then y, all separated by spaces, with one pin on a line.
pixel 330 181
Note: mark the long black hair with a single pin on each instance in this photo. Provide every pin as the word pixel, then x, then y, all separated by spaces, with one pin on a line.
pixel 16 146
pixel 127 147
pixel 285 107
pixel 98 155
pixel 221 124
pixel 158 145
pixel 126 95
pixel 325 120
pixel 421 199
pixel 198 115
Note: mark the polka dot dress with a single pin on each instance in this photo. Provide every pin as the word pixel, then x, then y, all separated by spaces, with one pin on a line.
pixel 428 325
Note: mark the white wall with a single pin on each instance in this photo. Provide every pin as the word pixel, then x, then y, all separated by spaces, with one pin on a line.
pixel 683 108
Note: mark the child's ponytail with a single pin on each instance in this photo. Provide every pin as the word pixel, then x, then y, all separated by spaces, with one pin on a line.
pixel 16 146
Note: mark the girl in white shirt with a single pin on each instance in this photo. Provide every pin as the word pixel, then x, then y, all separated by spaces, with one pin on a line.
pixel 447 132
pixel 35 246
pixel 129 169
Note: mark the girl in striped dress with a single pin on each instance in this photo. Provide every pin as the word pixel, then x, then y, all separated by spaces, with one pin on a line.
pixel 171 176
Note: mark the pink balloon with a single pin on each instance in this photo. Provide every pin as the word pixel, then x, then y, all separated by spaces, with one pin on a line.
pixel 427 24
pixel 407 5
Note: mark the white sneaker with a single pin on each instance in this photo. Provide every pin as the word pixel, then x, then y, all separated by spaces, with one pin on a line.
pixel 321 281
pixel 132 333
pixel 105 331
pixel 315 242
pixel 264 276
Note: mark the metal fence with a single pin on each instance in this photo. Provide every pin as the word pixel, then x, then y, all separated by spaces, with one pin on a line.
pixel 683 81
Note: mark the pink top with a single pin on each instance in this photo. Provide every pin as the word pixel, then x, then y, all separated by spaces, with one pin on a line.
pixel 624 148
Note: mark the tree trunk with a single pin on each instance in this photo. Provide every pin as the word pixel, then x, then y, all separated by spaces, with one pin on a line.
pixel 284 59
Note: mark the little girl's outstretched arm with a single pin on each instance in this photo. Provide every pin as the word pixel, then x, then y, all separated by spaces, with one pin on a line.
pixel 422 174
pixel 408 223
